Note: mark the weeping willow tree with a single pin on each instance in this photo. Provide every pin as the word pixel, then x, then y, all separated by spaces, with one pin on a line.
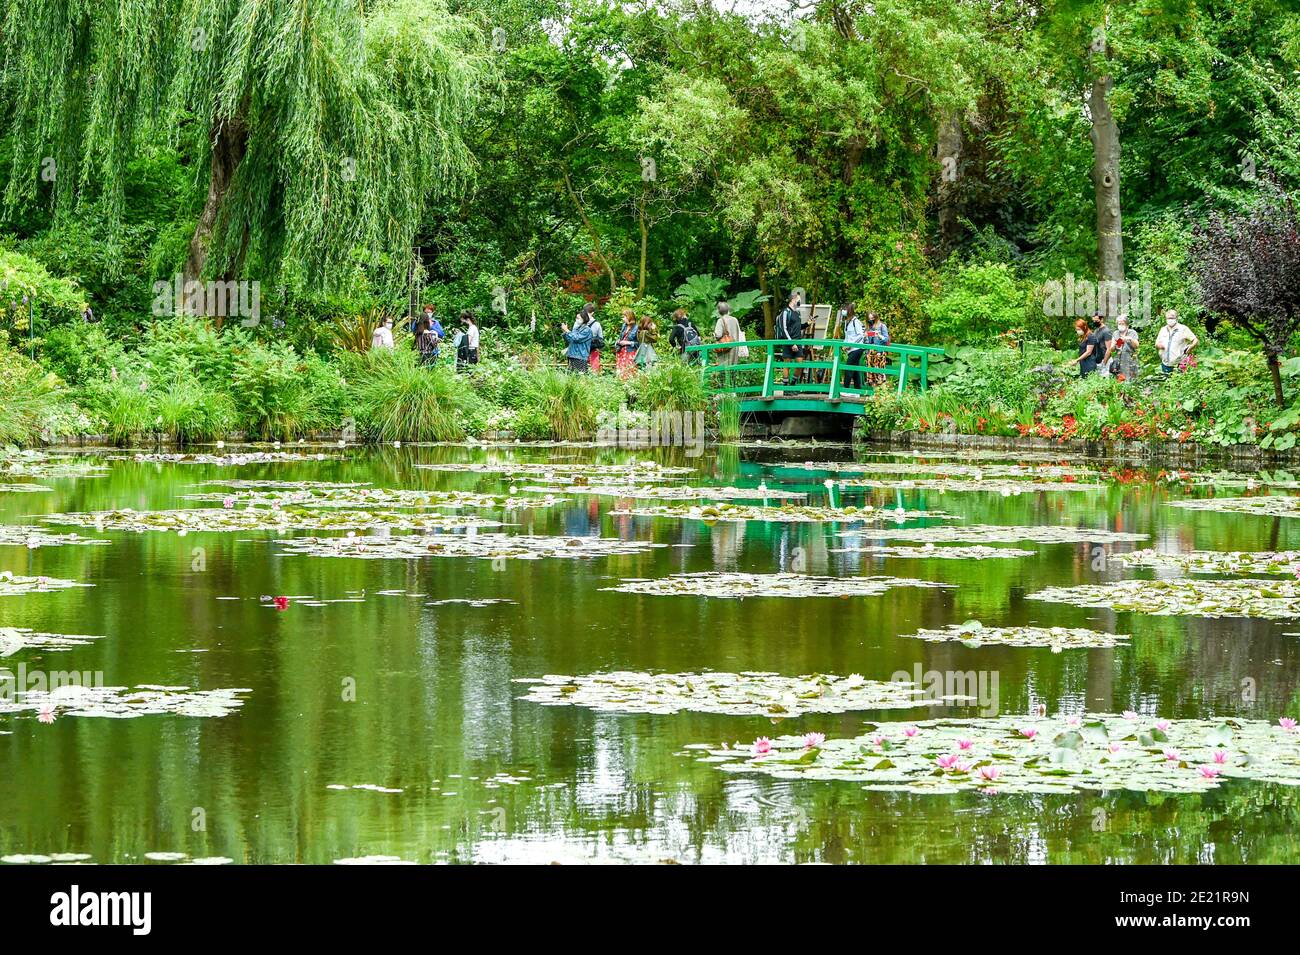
pixel 320 127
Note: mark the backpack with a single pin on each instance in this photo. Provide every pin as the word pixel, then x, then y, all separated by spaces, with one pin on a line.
pixel 598 341
pixel 690 335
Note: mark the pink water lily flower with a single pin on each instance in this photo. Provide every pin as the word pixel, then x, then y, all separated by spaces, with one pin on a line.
pixel 990 773
pixel 762 746
pixel 965 743
pixel 1172 755
pixel 228 503
pixel 46 714
pixel 1220 755
pixel 948 762
pixel 910 731
pixel 878 742
pixel 1130 715
pixel 1210 772
pixel 1073 721
pixel 1286 723
pixel 1115 747
pixel 813 740
pixel 1162 725
pixel 1029 734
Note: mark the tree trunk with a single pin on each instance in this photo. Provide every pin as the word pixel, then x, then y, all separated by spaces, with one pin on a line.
pixel 597 247
pixel 949 149
pixel 769 316
pixel 645 241
pixel 229 143
pixel 1105 177
pixel 1275 369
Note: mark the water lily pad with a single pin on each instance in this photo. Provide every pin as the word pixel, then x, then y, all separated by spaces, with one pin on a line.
pixel 17 535
pixel 1057 638
pixel 1185 596
pixel 669 492
pixel 741 694
pixel 786 513
pixel 1214 561
pixel 352 496
pixel 944 469
pixel 479 546
pixel 23 488
pixel 999 534
pixel 1007 488
pixel 1033 755
pixel 739 585
pixel 930 552
pixel 13 639
pixel 630 471
pixel 12 585
pixel 1271 505
pixel 122 702
pixel 264 518
pixel 233 459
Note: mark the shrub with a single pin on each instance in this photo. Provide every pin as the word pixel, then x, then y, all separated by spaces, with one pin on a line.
pixel 272 392
pixel 978 302
pixel 395 398
pixel 669 385
pixel 30 398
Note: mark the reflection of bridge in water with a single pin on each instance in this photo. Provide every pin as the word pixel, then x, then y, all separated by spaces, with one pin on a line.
pixel 817 385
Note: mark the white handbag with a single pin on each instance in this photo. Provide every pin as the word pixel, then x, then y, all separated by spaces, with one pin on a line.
pixel 743 351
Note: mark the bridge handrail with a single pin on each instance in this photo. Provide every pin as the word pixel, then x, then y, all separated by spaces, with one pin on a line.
pixel 833 390
pixel 817 343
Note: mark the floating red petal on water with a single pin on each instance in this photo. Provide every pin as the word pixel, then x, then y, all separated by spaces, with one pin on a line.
pixel 281 603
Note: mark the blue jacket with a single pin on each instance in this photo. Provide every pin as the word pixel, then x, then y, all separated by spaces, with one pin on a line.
pixel 579 342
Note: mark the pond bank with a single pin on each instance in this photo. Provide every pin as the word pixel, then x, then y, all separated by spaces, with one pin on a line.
pixel 1164 452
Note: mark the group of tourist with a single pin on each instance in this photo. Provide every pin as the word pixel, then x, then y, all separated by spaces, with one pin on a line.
pixel 791 329
pixel 1114 352
pixel 634 347
pixel 428 334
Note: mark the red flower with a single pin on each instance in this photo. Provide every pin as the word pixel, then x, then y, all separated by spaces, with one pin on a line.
pixel 281 603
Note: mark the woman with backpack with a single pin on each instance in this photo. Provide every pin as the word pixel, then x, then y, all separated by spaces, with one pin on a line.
pixel 625 350
pixel 684 334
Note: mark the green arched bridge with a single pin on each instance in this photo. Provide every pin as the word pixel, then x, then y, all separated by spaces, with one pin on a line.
pixel 818 383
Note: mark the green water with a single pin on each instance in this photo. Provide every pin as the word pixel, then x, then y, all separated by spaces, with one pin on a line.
pixel 487 777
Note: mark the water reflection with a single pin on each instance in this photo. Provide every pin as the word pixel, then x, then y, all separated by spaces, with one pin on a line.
pixel 433 709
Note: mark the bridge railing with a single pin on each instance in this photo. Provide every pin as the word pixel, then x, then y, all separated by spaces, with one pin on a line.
pixel 903 363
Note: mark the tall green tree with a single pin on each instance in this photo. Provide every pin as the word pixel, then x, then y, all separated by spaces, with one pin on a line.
pixel 318 129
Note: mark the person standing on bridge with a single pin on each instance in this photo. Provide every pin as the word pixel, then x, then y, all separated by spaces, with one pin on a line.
pixel 726 330
pixel 789 328
pixel 877 334
pixel 854 334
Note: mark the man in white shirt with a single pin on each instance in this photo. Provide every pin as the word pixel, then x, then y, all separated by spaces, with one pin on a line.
pixel 1175 342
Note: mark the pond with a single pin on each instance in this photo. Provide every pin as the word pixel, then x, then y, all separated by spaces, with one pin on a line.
pixel 381 712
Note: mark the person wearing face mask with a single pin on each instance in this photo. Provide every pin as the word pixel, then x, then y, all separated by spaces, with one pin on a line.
pixel 1174 343
pixel 1121 353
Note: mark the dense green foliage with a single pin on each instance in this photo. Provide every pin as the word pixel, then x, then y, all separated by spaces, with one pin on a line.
pixel 930 160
